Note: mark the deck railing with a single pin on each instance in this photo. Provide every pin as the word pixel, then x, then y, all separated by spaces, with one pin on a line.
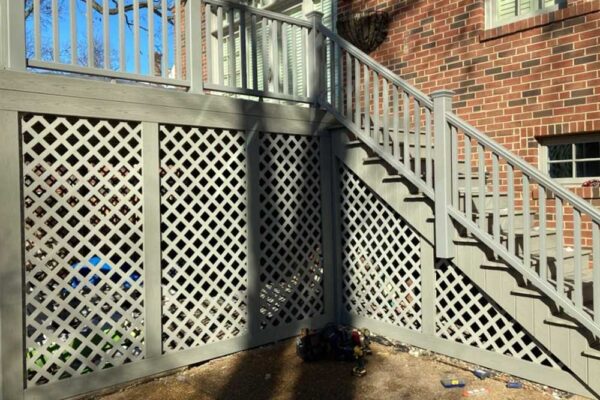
pixel 212 45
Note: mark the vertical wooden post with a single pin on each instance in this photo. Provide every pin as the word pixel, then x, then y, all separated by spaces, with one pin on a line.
pixel 12 35
pixel 428 282
pixel 329 227
pixel 253 223
pixel 194 45
pixel 314 55
pixel 444 233
pixel 12 347
pixel 152 245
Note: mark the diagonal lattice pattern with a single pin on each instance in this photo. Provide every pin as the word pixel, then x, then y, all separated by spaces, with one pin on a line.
pixel 291 269
pixel 203 223
pixel 465 315
pixel 380 258
pixel 82 190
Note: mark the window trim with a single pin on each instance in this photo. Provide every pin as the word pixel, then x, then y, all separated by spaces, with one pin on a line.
pixel 544 162
pixel 491 20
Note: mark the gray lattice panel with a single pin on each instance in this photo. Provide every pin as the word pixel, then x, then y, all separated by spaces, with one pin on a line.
pixel 291 270
pixel 380 258
pixel 465 315
pixel 82 191
pixel 204 235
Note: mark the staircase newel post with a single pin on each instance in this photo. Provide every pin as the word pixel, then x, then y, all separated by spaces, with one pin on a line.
pixel 444 234
pixel 314 57
pixel 12 35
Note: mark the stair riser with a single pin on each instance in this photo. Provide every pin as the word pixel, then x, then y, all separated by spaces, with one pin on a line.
pixel 534 243
pixel 518 222
pixel 489 201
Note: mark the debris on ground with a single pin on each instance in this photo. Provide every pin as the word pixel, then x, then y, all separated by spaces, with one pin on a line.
pixel 475 392
pixel 392 374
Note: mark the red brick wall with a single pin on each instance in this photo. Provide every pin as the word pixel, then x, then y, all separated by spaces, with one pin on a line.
pixel 531 78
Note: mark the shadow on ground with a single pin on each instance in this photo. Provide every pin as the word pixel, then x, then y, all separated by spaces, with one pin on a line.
pixel 275 372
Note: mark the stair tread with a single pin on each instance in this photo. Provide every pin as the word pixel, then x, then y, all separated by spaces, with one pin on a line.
pixel 557 320
pixel 526 292
pixel 591 352
pixel 551 253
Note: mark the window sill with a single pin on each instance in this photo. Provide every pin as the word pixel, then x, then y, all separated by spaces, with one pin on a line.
pixel 540 20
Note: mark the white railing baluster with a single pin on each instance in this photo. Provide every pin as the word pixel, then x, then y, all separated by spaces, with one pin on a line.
pixel 406 128
pixel 296 61
pixel 482 173
pixel 178 42
pixel 577 278
pixel 106 31
pixel 417 151
pixel 332 71
pixel 164 38
pixel 596 270
pixel 396 114
pixel 231 47
pixel 37 38
pixel 254 41
pixel 90 34
pixel 357 110
pixel 385 115
pixel 454 171
pixel 121 11
pixel 275 55
pixel 526 222
pixel 348 86
pixel 376 111
pixel 220 44
pixel 467 178
pixel 428 146
pixel 73 28
pixel 367 117
pixel 265 55
pixel 208 17
pixel 542 233
pixel 243 50
pixel 304 61
pixel 495 197
pixel 558 262
pixel 55 33
pixel 510 177
pixel 150 17
pixel 136 35
pixel 284 58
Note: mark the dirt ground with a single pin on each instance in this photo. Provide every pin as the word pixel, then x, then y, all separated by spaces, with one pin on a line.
pixel 275 372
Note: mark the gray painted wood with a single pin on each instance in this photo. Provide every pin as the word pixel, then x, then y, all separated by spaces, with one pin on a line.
pixel 11 259
pixel 444 234
pixel 193 51
pixel 152 239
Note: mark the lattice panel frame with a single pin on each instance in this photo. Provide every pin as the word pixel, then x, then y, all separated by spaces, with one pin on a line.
pixel 291 259
pixel 204 236
pixel 84 272
pixel 464 314
pixel 381 266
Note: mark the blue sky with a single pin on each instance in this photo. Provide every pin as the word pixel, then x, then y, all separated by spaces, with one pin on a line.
pixel 81 12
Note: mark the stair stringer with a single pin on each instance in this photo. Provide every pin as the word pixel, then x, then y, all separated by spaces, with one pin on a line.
pixel 532 313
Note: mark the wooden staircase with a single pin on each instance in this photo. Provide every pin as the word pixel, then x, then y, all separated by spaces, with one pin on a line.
pixel 560 334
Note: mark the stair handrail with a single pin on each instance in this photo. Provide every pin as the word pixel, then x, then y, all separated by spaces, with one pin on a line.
pixel 446 193
pixel 424 99
pixel 524 166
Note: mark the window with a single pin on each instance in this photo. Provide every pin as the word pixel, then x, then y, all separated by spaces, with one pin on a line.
pixel 501 12
pixel 573 159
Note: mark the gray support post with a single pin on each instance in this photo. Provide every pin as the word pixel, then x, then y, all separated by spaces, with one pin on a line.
pixel 328 226
pixel 314 55
pixel 194 45
pixel 14 40
pixel 444 233
pixel 152 245
pixel 12 344
pixel 253 195
pixel 428 287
